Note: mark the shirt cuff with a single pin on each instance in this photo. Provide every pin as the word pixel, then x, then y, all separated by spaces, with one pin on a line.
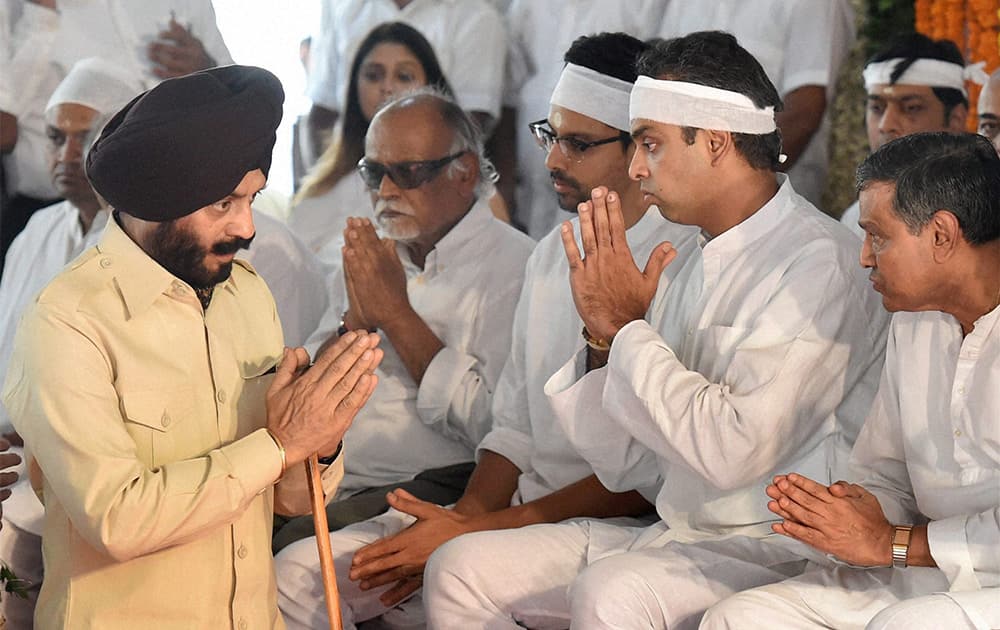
pixel 804 78
pixel 440 383
pixel 949 547
pixel 514 445
pixel 255 461
pixel 622 357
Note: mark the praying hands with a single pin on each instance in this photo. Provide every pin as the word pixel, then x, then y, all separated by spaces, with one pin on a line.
pixel 843 519
pixel 376 282
pixel 609 290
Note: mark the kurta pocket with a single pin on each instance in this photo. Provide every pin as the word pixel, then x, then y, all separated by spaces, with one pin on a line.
pixel 152 418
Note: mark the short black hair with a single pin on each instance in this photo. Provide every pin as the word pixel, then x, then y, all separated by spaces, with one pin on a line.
pixel 914 46
pixel 716 59
pixel 611 54
pixel 935 171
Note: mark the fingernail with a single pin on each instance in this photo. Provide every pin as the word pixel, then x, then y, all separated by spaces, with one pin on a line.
pixel 582 208
pixel 597 193
pixel 367 355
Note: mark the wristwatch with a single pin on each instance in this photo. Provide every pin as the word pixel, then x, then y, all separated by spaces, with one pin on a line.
pixel 900 545
pixel 326 461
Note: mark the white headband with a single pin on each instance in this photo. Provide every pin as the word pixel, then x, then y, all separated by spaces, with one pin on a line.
pixel 98 84
pixel 594 95
pixel 693 105
pixel 929 72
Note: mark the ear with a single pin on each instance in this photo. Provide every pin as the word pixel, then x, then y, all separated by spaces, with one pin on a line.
pixel 718 143
pixel 957 118
pixel 946 235
pixel 468 176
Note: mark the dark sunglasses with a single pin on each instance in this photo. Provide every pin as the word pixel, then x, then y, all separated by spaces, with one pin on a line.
pixel 406 175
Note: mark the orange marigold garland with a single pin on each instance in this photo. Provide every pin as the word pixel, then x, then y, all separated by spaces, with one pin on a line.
pixel 974 26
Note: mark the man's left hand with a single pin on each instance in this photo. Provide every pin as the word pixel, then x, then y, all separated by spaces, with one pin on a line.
pixel 609 290
pixel 401 558
pixel 843 519
pixel 177 52
pixel 374 273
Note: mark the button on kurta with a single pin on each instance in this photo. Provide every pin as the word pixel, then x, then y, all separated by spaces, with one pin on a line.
pixel 243 624
pixel 165 420
pixel 221 396
pixel 105 262
pixel 242 552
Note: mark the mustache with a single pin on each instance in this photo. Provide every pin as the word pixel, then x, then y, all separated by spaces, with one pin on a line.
pixel 560 177
pixel 224 248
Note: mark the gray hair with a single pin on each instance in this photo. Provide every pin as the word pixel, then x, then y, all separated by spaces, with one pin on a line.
pixel 468 134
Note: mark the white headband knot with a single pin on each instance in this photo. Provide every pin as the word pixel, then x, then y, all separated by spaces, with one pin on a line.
pixel 929 72
pixel 594 95
pixel 700 106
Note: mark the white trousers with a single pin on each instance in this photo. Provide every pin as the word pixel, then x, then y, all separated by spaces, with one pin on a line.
pixel 593 575
pixel 846 598
pixel 300 582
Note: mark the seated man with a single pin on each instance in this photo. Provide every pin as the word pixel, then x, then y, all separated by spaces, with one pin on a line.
pixel 765 349
pixel 442 290
pixel 527 471
pixel 914 85
pixel 921 530
pixel 989 110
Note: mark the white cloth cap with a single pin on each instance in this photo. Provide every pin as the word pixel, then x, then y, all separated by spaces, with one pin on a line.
pixel 98 84
pixel 594 95
pixel 929 72
pixel 700 106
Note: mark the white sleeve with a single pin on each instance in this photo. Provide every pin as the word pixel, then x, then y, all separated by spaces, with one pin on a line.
pixel 324 62
pixel 477 74
pixel 205 27
pixel 25 48
pixel 820 35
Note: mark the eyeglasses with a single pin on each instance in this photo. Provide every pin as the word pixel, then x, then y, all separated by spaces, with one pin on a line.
pixel 406 175
pixel 572 148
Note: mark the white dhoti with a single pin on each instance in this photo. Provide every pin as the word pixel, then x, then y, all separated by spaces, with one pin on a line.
pixel 876 599
pixel 594 575
pixel 300 582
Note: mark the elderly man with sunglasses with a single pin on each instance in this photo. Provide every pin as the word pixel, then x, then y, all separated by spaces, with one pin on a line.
pixel 440 286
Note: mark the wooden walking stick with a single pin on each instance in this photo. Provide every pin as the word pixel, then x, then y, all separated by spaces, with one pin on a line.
pixel 323 542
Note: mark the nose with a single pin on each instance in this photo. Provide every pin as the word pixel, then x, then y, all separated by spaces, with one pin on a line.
pixel 241 223
pixel 890 123
pixel 554 158
pixel 867 257
pixel 71 149
pixel 637 168
pixel 387 188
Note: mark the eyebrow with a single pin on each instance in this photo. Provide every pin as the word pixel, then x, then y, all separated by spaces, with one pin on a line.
pixel 900 99
pixel 640 131
pixel 988 116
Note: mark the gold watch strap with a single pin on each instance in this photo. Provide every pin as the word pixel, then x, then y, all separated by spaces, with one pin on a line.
pixel 900 545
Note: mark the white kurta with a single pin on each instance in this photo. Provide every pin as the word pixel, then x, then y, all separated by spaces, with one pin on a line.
pixel 466 293
pixel 539 33
pixel 798 42
pixel 763 358
pixel 295 276
pixel 930 452
pixel 467 36
pixel 546 332
pixel 320 221
pixel 47 43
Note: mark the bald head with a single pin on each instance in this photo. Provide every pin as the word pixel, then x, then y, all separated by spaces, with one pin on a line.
pixel 989 110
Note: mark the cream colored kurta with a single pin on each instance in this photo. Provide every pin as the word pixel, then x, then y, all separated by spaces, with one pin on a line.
pixel 145 414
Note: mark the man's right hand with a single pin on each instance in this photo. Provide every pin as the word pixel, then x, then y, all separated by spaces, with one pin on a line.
pixel 310 409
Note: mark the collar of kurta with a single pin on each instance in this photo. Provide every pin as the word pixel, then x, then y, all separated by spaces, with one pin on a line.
pixel 139 278
pixel 761 223
pixel 466 234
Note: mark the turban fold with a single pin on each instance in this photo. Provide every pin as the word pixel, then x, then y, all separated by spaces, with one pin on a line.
pixel 188 142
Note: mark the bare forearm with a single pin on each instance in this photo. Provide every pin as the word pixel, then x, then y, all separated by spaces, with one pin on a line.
pixel 414 341
pixel 800 119
pixel 8 132
pixel 320 122
pixel 491 485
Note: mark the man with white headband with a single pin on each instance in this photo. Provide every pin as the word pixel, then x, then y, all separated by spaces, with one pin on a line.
pixel 916 84
pixel 762 352
pixel 93 90
pixel 527 471
pixel 988 124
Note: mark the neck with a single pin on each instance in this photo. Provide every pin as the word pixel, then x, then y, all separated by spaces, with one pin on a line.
pixel 633 207
pixel 976 291
pixel 739 197
pixel 421 246
pixel 88 208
